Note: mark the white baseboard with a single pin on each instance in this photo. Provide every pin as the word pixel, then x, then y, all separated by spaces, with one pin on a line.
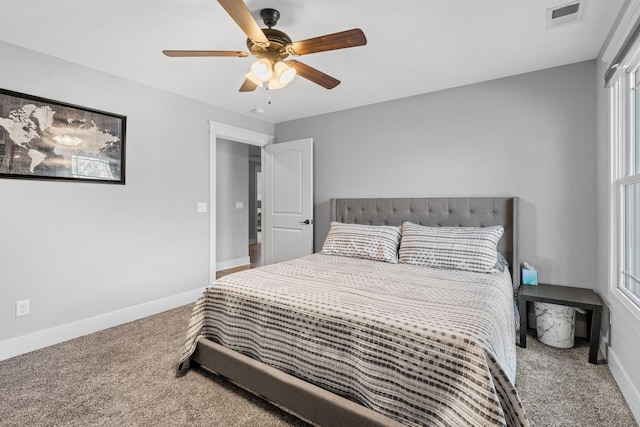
pixel 627 387
pixel 36 340
pixel 232 263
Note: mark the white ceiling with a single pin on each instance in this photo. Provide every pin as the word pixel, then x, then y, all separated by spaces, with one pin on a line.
pixel 414 46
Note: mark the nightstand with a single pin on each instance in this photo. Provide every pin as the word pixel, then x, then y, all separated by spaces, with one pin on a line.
pixel 585 299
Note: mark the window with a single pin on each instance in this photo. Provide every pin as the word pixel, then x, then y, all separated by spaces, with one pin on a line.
pixel 630 277
pixel 628 184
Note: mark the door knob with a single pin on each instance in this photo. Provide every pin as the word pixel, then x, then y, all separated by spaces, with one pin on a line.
pixel 306 221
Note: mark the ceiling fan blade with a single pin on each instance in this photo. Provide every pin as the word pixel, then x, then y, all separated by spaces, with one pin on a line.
pixel 311 74
pixel 199 53
pixel 248 86
pixel 341 40
pixel 241 14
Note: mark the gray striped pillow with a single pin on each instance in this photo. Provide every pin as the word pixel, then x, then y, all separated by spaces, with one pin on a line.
pixel 376 242
pixel 459 248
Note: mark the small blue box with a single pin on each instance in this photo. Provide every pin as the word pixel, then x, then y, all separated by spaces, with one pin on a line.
pixel 529 277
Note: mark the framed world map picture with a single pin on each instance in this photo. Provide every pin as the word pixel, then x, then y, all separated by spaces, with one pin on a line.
pixel 45 139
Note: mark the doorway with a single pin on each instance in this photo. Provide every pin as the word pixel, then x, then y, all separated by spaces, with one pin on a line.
pixel 255 206
pixel 238 191
pixel 231 133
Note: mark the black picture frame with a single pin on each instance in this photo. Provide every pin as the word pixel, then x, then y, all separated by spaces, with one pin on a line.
pixel 51 140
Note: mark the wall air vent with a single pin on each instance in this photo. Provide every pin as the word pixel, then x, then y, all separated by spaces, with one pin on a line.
pixel 565 14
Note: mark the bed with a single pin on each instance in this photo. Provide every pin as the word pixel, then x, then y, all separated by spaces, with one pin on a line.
pixel 342 338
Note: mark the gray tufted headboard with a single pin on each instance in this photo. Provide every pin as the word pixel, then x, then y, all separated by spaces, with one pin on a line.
pixel 438 212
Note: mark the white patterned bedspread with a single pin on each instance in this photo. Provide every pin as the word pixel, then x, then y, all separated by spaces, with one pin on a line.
pixel 423 346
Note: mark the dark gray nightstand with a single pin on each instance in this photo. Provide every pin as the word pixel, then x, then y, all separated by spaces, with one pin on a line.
pixel 586 299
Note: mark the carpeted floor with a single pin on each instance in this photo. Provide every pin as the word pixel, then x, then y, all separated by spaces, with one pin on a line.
pixel 125 376
pixel 559 387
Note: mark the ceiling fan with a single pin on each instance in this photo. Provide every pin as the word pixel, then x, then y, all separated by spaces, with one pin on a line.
pixel 272 47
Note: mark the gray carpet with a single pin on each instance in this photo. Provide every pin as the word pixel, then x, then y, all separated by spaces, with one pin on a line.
pixel 559 387
pixel 124 376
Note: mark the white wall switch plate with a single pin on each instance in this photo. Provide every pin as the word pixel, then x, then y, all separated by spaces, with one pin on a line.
pixel 239 205
pixel 202 207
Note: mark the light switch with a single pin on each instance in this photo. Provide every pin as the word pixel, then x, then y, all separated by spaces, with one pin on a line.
pixel 202 207
pixel 239 205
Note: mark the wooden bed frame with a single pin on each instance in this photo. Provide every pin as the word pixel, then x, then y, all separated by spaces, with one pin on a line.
pixel 314 404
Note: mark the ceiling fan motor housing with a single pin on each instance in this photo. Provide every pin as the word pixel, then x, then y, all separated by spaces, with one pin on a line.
pixel 276 50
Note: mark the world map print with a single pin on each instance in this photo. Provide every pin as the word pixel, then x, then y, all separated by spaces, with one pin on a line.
pixel 40 139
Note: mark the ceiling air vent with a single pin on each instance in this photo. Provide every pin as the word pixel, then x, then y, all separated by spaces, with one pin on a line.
pixel 565 14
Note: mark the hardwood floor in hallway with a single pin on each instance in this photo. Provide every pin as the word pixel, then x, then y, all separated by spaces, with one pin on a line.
pixel 255 252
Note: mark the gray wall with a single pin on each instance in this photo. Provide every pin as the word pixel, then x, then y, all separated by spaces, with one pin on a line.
pixel 531 135
pixel 232 185
pixel 81 250
pixel 603 207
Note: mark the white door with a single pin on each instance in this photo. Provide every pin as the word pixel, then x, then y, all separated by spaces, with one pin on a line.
pixel 288 203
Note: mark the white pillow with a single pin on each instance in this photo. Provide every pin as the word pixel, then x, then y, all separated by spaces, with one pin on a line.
pixel 376 242
pixel 459 248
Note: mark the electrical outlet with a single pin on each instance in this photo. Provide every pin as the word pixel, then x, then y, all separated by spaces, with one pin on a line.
pixel 22 308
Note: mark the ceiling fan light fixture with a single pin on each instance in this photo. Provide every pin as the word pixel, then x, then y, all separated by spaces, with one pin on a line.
pixel 262 70
pixel 284 73
pixel 282 76
pixel 254 79
pixel 274 83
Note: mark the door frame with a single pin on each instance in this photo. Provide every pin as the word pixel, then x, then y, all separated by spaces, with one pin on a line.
pixel 231 133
